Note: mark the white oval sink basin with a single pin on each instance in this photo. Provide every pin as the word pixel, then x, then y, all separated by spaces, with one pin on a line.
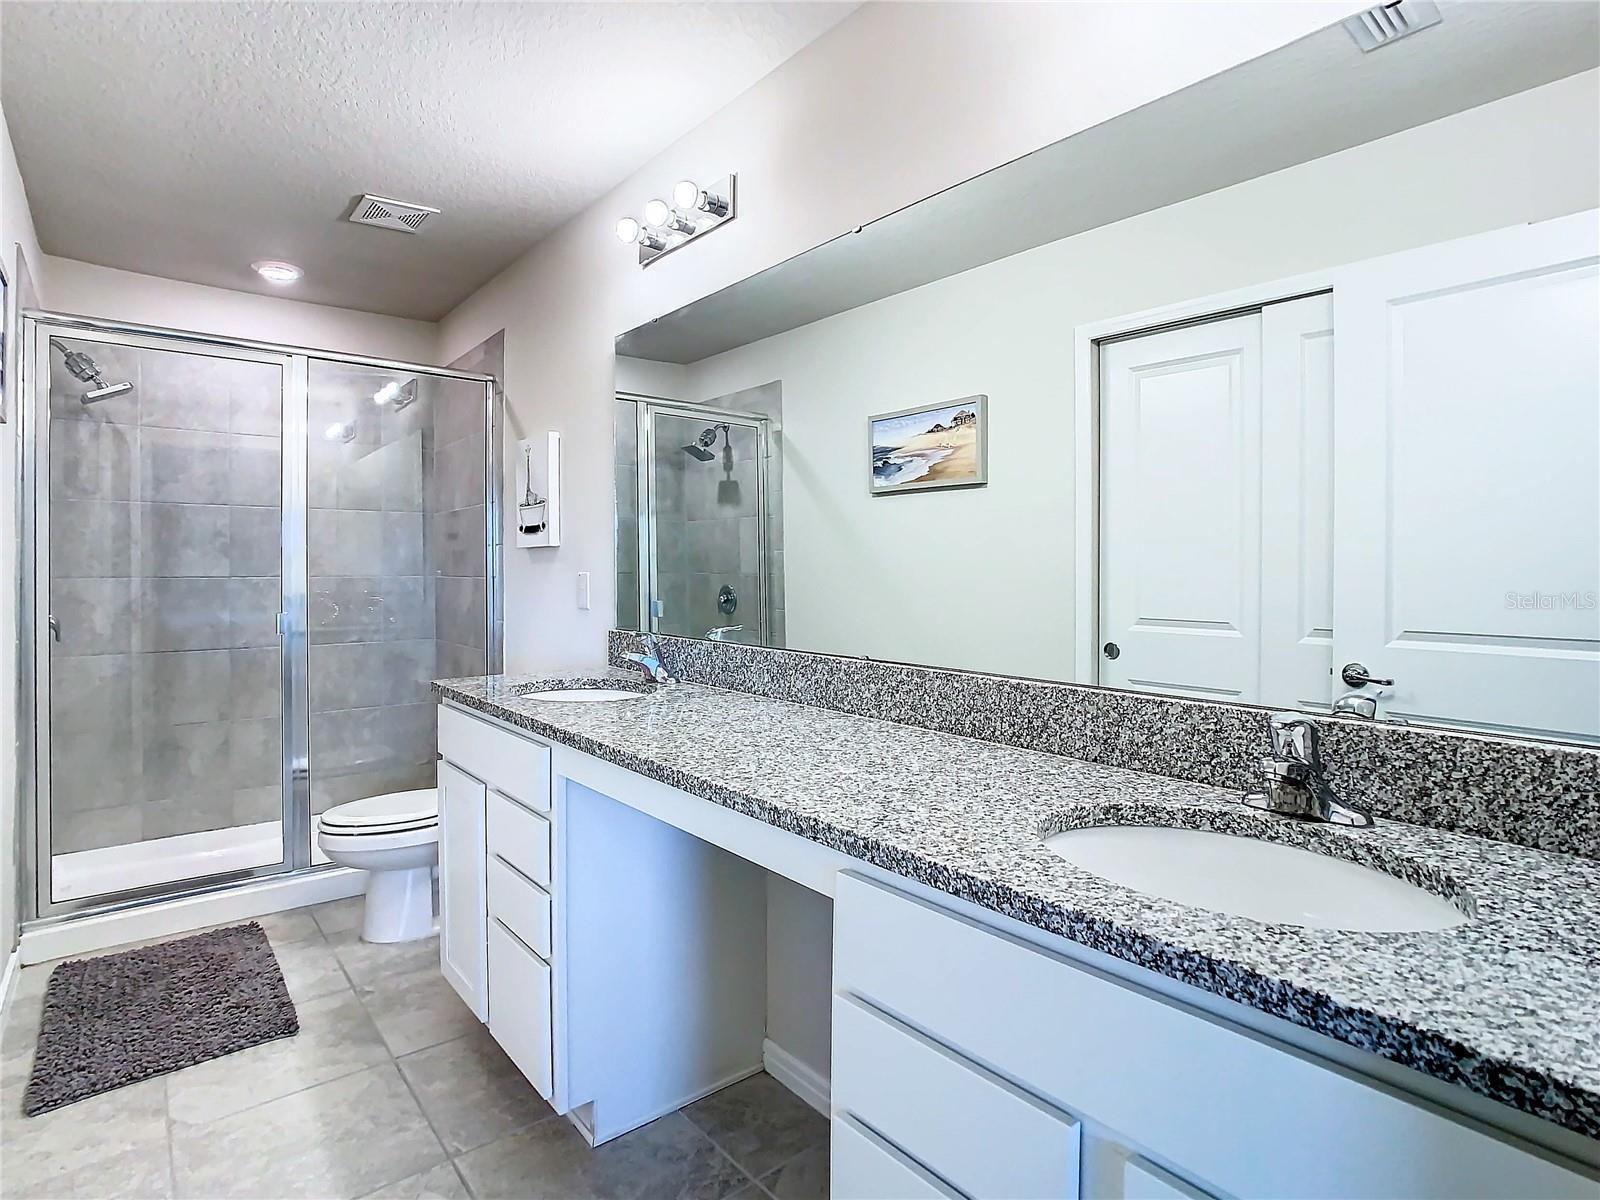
pixel 584 695
pixel 1248 877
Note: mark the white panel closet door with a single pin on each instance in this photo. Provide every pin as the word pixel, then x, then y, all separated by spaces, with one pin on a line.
pixel 1180 527
pixel 1297 503
pixel 1467 454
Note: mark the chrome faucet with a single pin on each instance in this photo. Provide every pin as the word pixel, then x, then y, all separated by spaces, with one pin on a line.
pixel 721 632
pixel 650 661
pixel 1294 785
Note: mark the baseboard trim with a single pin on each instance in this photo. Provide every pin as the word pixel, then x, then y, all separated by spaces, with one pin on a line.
pixel 799 1077
pixel 258 898
pixel 7 979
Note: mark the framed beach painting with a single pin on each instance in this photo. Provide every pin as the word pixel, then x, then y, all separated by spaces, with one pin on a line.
pixel 935 446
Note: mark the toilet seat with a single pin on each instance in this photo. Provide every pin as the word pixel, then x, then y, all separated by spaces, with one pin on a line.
pixel 394 838
pixel 395 813
pixel 334 843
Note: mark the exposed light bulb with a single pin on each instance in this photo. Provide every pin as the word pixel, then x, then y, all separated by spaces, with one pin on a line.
pixel 274 271
pixel 627 230
pixel 386 393
pixel 340 431
pixel 686 194
pixel 657 212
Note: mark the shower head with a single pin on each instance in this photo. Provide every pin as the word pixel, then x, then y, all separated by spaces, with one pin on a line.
pixel 701 447
pixel 83 369
pixel 95 395
pixel 79 364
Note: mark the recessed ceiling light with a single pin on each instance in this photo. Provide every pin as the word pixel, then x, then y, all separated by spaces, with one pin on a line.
pixel 274 271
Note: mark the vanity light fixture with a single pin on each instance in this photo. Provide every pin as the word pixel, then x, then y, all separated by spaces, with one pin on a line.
pixel 691 197
pixel 694 210
pixel 630 231
pixel 340 431
pixel 386 393
pixel 276 271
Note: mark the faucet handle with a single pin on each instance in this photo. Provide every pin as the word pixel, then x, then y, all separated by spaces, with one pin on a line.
pixel 1294 736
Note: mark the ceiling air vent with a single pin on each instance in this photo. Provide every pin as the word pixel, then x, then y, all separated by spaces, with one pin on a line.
pixel 390 214
pixel 1390 22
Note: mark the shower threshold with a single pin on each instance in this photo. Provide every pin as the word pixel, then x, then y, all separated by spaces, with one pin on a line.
pixel 186 856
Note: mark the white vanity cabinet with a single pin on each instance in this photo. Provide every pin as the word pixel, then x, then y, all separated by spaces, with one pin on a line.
pixel 496 886
pixel 462 913
pixel 991 1065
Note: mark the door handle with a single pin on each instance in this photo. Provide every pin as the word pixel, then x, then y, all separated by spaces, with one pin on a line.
pixel 1355 675
pixel 55 627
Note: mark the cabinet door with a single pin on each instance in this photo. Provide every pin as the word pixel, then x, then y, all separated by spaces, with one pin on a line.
pixel 462 900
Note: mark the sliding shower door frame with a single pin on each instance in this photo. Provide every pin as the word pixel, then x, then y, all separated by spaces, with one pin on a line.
pixel 647 409
pixel 36 903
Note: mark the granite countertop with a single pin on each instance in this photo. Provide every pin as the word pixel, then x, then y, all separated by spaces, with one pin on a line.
pixel 1506 1004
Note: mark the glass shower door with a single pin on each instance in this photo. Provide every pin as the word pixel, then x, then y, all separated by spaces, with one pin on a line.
pixel 159 578
pixel 704 512
pixel 399 562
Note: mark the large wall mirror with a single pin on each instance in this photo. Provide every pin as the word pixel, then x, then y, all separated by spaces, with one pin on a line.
pixel 1284 390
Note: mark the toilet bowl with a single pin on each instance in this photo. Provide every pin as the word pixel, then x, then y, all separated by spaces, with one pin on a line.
pixel 395 839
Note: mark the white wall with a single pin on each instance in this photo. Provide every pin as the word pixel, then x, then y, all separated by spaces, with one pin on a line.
pixel 901 577
pixel 16 229
pixel 893 104
pixel 896 102
pixel 800 972
pixel 85 289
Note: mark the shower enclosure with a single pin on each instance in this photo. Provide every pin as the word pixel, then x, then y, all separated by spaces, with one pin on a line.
pixel 696 526
pixel 242 565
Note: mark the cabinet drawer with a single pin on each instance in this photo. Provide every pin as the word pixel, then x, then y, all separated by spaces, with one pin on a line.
pixel 1200 1093
pixel 515 765
pixel 986 1137
pixel 521 906
pixel 520 837
pixel 1145 1181
pixel 519 1006
pixel 864 1167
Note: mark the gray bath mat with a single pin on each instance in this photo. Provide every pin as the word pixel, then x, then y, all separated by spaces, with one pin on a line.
pixel 112 1021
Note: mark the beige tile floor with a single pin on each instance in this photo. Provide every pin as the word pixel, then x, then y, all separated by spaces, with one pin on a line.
pixel 390 1089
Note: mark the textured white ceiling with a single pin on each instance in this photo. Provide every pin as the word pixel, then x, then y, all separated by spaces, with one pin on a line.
pixel 187 139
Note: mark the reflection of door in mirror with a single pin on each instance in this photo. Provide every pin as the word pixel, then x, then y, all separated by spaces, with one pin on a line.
pixel 1450 543
pixel 1468 449
pixel 1216 548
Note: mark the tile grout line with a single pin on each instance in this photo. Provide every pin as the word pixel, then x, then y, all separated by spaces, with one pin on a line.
pixel 423 1113
pixel 394 1061
pixel 717 1146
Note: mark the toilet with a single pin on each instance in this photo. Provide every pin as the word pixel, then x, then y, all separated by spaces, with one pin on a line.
pixel 395 839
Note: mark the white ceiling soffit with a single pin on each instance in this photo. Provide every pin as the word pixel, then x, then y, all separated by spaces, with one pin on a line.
pixel 1311 98
pixel 187 140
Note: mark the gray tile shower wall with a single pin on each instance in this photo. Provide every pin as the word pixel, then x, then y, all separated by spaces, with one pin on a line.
pixel 164 579
pixel 1536 794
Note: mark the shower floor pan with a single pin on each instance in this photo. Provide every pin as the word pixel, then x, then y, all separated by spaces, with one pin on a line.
pixel 86 873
